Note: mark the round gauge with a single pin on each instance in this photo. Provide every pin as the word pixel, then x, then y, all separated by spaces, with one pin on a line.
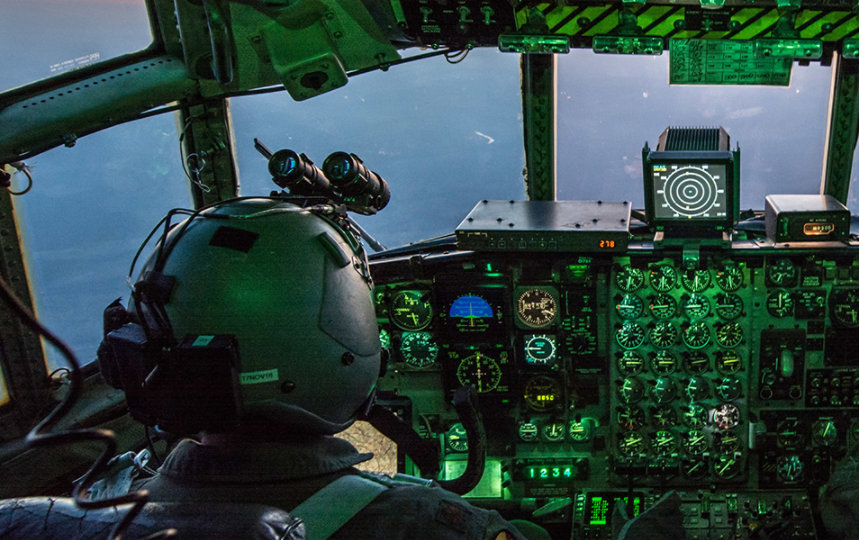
pixel 471 313
pixel 663 363
pixel 780 303
pixel 663 334
pixel 630 363
pixel 542 393
pixel 789 433
pixel 630 390
pixel 537 308
pixel 694 468
pixel 528 431
pixel 630 417
pixel 384 338
pixel 781 273
pixel 554 431
pixel 696 335
pixel 726 467
pixel 728 362
pixel 664 390
pixel 729 306
pixel 631 444
pixel 696 306
pixel 662 306
pixel 663 277
pixel 729 334
pixel 726 442
pixel 663 416
pixel 695 280
pixel 629 307
pixel 729 277
pixel 697 389
pixel 629 279
pixel 579 431
pixel 696 362
pixel 824 432
pixel 457 440
pixel 844 307
pixel 665 442
pixel 789 468
pixel 480 371
pixel 540 349
pixel 729 388
pixel 726 416
pixel 695 442
pixel 411 310
pixel 630 335
pixel 694 415
pixel 418 349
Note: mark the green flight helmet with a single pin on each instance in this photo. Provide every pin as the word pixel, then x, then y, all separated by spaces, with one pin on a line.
pixel 293 287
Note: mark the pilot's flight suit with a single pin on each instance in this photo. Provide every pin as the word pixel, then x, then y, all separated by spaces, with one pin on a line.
pixel 285 474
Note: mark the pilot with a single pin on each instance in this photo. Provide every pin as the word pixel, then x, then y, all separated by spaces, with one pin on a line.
pixel 292 286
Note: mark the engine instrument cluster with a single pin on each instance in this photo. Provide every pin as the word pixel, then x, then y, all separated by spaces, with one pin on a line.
pixel 731 374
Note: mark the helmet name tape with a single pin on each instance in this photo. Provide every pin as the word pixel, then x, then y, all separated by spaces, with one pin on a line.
pixel 258 377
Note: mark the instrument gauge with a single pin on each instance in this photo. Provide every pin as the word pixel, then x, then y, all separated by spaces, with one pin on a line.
pixel 694 415
pixel 663 277
pixel 729 334
pixel 384 338
pixel 789 468
pixel 729 388
pixel 629 335
pixel 471 313
pixel 789 433
pixel 629 307
pixel 780 303
pixel 695 280
pixel 554 431
pixel 632 444
pixel 411 310
pixel 630 417
pixel 729 306
pixel 579 431
pixel 726 466
pixel 726 416
pixel 630 390
pixel 665 442
pixel 418 349
pixel 542 393
pixel 457 440
pixel 696 335
pixel 782 273
pixel 540 350
pixel 537 307
pixel 824 432
pixel 696 306
pixel 664 390
pixel 726 442
pixel 694 468
pixel 630 363
pixel 663 416
pixel 844 307
pixel 528 432
pixel 729 277
pixel 728 362
pixel 663 334
pixel 480 371
pixel 629 279
pixel 695 442
pixel 696 362
pixel 663 363
pixel 697 389
pixel 662 306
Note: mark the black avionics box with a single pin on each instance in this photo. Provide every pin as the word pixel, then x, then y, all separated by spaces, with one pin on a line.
pixel 806 218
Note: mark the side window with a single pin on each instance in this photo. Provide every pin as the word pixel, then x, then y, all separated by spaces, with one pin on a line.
pixel 89 209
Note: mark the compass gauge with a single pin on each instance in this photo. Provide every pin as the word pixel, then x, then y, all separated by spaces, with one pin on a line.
pixel 411 310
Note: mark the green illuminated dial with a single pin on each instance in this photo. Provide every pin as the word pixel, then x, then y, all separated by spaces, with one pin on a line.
pixel 662 306
pixel 781 273
pixel 665 442
pixel 630 335
pixel 728 362
pixel 629 279
pixel 630 417
pixel 631 444
pixel 696 362
pixel 418 349
pixel 789 433
pixel 789 468
pixel 663 334
pixel 630 363
pixel 630 390
pixel 542 393
pixel 694 468
pixel 697 389
pixel 729 388
pixel 411 310
pixel 554 431
pixel 663 363
pixel 664 390
pixel 824 432
pixel 729 334
pixel 844 307
pixel 663 277
pixel 696 306
pixel 694 415
pixel 579 431
pixel 695 442
pixel 729 306
pixel 696 335
pixel 528 431
pixel 663 416
pixel 726 442
pixel 729 277
pixel 384 338
pixel 540 349
pixel 457 439
pixel 695 280
pixel 629 306
pixel 780 303
pixel 726 466
pixel 479 370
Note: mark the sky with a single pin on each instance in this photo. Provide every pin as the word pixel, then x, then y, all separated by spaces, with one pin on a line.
pixel 443 136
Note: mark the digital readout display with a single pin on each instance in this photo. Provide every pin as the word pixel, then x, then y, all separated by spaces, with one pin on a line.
pixel 599 506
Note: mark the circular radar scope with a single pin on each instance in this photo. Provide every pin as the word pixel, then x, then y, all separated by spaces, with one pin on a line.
pixel 690 191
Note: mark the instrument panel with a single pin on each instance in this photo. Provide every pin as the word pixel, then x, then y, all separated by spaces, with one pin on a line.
pixel 730 372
